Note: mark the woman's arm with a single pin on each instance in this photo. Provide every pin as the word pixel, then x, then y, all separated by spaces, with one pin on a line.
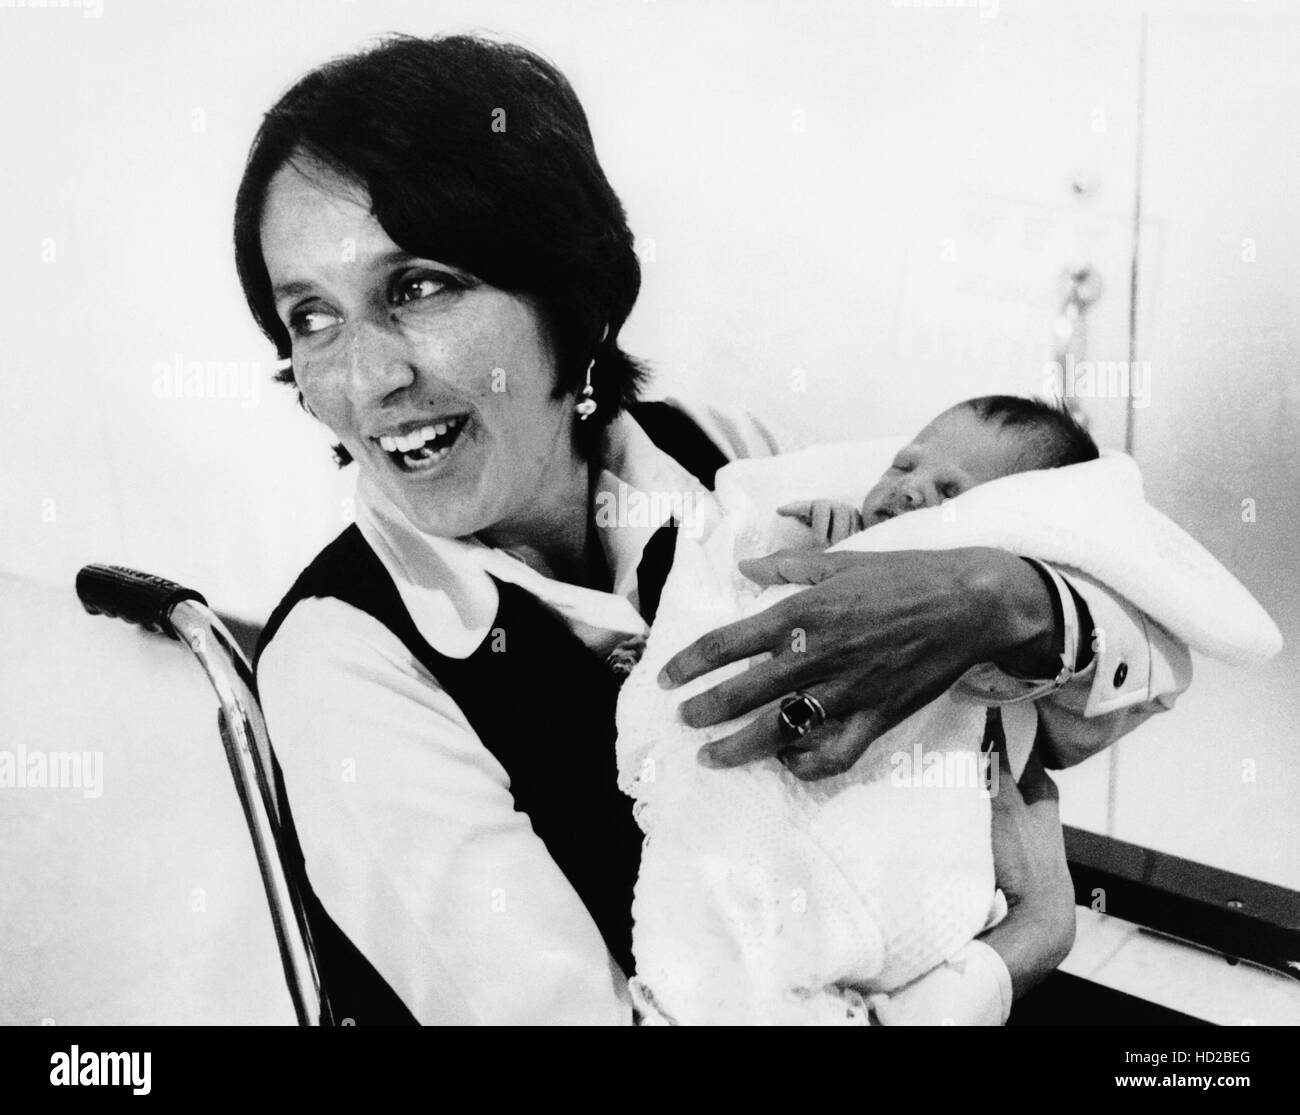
pixel 411 838
pixel 1030 866
pixel 883 634
pixel 1130 669
pixel 1137 669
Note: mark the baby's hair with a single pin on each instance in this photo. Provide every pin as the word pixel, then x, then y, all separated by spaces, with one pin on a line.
pixel 1056 438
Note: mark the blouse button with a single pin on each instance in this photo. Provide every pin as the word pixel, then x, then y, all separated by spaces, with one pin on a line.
pixel 1121 672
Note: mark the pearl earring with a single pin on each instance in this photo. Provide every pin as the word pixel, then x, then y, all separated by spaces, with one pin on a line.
pixel 586 406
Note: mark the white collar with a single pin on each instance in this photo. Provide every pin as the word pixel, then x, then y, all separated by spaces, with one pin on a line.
pixel 446 583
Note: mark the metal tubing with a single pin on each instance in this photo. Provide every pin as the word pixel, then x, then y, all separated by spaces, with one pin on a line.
pixel 248 750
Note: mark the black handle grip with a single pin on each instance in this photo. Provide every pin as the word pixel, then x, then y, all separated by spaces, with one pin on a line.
pixel 112 590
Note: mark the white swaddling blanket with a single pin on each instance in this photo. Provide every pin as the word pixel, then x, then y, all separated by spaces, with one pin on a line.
pixel 760 897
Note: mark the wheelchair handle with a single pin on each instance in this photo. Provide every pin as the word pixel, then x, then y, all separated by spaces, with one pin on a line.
pixel 180 613
pixel 141 598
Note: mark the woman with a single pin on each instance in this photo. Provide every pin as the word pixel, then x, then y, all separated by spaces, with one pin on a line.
pixel 425 233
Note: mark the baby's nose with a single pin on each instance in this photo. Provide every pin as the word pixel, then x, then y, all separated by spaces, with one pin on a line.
pixel 910 497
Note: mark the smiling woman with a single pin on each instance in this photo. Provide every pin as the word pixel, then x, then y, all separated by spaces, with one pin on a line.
pixel 483 320
pixel 442 385
pixel 473 153
pixel 424 232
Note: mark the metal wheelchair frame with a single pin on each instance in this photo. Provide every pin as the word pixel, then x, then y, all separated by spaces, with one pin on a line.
pixel 180 613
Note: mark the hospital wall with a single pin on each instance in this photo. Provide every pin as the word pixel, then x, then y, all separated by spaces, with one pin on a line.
pixel 848 216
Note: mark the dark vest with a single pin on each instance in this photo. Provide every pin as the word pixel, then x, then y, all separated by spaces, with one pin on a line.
pixel 541 703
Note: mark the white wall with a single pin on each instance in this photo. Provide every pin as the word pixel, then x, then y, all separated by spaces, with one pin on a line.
pixel 133 898
pixel 1219 445
pixel 877 196
pixel 798 169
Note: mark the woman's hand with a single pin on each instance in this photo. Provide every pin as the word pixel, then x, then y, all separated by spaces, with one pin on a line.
pixel 876 638
pixel 1030 867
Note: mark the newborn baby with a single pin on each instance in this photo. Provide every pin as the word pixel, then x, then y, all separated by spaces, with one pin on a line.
pixel 969 444
pixel 764 899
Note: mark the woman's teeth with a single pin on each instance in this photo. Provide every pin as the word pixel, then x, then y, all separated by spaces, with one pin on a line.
pixel 422 447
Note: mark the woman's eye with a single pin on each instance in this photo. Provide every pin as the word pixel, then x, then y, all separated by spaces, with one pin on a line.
pixel 950 490
pixel 413 288
pixel 304 322
pixel 901 466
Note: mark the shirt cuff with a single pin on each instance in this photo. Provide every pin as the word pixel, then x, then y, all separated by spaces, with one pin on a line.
pixel 1134 662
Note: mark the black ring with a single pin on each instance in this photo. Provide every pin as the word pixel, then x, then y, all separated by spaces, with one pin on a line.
pixel 799 714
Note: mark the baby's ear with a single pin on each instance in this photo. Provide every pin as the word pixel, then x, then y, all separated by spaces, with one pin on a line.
pixel 799 509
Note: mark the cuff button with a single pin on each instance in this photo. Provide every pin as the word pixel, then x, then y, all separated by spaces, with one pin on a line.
pixel 1121 672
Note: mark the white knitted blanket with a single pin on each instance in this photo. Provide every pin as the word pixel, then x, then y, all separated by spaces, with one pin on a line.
pixel 763 899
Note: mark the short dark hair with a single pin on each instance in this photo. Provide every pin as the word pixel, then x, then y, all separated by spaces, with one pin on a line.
pixel 1056 438
pixel 478 154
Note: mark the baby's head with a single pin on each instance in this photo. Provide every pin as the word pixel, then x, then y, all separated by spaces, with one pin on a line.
pixel 974 442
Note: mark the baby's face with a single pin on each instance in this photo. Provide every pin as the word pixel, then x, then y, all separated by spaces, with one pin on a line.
pixel 957 451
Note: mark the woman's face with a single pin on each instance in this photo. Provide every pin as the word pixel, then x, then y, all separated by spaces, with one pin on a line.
pixel 437 384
